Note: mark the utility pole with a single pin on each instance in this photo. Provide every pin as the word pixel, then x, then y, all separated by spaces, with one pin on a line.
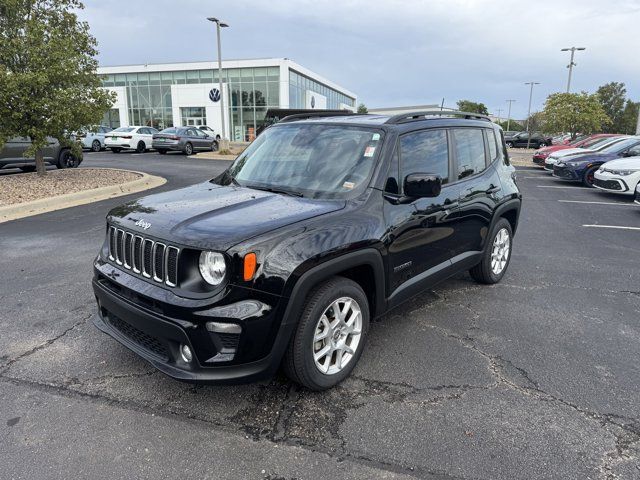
pixel 529 112
pixel 220 24
pixel 509 114
pixel 571 63
pixel 499 110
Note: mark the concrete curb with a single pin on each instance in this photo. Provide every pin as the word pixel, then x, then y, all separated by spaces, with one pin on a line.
pixel 215 156
pixel 44 205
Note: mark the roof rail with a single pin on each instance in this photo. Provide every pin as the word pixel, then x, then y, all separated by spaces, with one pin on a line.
pixel 302 116
pixel 419 115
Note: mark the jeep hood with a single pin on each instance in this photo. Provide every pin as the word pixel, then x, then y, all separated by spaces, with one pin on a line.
pixel 211 216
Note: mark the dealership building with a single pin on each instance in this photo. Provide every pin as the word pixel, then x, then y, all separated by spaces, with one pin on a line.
pixel 180 94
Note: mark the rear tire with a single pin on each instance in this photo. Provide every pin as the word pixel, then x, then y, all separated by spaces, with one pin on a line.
pixel 188 149
pixel 141 147
pixel 341 334
pixel 495 258
pixel 509 144
pixel 28 168
pixel 115 150
pixel 588 177
pixel 162 152
pixel 95 146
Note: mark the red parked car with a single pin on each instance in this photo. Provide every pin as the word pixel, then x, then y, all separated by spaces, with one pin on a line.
pixel 541 154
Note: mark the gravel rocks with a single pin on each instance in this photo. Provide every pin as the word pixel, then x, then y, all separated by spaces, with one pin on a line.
pixel 25 187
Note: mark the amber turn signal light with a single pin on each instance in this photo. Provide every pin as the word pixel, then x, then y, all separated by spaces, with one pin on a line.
pixel 249 266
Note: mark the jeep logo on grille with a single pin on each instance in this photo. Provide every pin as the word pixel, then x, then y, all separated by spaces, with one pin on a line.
pixel 142 224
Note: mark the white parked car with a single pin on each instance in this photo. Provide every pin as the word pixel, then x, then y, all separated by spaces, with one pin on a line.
pixel 93 138
pixel 552 159
pixel 209 131
pixel 130 138
pixel 619 176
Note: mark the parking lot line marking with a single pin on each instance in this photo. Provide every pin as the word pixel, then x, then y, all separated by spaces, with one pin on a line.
pixel 598 203
pixel 554 186
pixel 612 226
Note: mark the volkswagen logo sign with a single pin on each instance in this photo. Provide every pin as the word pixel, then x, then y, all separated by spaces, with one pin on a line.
pixel 214 95
pixel 313 101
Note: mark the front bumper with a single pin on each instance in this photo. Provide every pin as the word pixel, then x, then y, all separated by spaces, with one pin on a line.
pixel 611 183
pixel 565 173
pixel 155 330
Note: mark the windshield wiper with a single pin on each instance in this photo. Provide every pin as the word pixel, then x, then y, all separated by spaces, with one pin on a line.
pixel 291 193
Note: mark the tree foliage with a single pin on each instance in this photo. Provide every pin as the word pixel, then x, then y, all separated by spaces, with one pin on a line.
pixel 628 121
pixel 537 122
pixel 574 113
pixel 612 97
pixel 48 81
pixel 512 126
pixel 362 108
pixel 472 107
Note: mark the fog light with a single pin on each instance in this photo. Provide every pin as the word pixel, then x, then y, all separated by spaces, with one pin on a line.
pixel 185 353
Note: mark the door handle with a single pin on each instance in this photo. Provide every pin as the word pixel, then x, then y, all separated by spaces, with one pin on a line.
pixel 493 189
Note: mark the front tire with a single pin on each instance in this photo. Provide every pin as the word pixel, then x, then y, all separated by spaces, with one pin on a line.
pixel 509 144
pixel 589 176
pixel 28 168
pixel 330 336
pixel 67 160
pixel 496 256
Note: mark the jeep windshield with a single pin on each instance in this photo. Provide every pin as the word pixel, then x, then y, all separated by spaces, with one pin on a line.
pixel 310 160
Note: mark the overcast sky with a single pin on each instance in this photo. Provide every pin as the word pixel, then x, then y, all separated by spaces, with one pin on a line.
pixel 393 52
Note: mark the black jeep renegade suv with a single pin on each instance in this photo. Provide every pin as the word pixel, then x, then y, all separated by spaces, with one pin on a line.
pixel 322 224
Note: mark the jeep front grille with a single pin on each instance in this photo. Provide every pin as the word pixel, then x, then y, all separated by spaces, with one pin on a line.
pixel 144 256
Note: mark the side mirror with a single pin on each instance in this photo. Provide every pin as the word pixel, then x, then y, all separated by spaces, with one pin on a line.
pixel 420 185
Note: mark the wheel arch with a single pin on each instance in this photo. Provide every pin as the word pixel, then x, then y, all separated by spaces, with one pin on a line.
pixel 365 267
pixel 509 210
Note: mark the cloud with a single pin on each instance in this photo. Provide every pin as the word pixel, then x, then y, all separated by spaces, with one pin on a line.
pixel 393 52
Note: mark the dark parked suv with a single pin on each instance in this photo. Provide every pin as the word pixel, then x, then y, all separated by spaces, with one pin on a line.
pixel 12 155
pixel 321 225
pixel 522 140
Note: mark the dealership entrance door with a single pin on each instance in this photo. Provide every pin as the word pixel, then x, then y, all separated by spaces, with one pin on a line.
pixel 193 116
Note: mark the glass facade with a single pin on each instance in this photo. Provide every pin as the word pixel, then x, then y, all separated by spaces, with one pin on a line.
pixel 251 91
pixel 299 84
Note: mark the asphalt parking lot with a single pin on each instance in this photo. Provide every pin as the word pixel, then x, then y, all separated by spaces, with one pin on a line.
pixel 536 377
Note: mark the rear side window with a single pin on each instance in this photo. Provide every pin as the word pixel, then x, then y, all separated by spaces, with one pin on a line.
pixel 493 146
pixel 426 151
pixel 468 144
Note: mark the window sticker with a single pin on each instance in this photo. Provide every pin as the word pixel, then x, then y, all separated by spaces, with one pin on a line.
pixel 369 151
pixel 376 137
pixel 348 185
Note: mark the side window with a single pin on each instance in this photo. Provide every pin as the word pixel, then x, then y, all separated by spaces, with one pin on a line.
pixel 468 144
pixel 143 131
pixel 392 184
pixel 493 147
pixel 426 151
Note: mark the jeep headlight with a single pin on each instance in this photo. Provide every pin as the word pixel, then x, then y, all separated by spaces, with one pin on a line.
pixel 212 267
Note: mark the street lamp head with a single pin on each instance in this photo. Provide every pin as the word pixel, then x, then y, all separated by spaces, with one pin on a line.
pixel 218 21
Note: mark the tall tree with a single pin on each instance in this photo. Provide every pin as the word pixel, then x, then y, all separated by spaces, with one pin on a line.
pixel 472 107
pixel 48 81
pixel 574 113
pixel 629 119
pixel 362 108
pixel 612 97
pixel 511 125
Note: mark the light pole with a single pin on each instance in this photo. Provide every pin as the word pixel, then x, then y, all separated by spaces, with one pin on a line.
pixel 571 63
pixel 220 24
pixel 529 112
pixel 509 114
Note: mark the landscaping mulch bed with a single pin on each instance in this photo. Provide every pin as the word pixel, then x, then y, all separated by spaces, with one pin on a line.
pixel 25 187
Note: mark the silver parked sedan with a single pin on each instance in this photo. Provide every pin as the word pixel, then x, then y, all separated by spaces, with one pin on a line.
pixel 183 139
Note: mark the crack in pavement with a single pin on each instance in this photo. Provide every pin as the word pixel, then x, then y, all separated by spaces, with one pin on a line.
pixel 44 344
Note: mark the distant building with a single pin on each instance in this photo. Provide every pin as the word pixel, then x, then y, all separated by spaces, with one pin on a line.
pixel 406 109
pixel 180 94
